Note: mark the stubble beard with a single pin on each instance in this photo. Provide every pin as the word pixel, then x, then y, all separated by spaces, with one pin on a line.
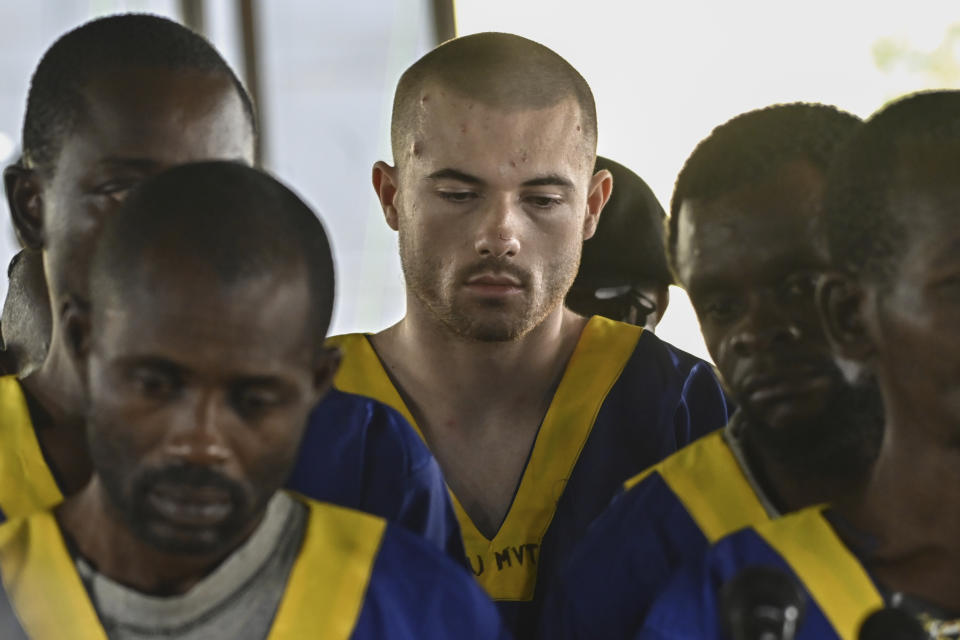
pixel 492 321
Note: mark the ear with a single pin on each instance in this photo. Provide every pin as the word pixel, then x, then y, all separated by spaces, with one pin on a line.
pixel 840 304
pixel 601 186
pixel 385 183
pixel 75 324
pixel 325 368
pixel 24 199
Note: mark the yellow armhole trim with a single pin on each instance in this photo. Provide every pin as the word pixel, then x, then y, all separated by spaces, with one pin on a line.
pixel 26 483
pixel 44 587
pixel 830 572
pixel 362 373
pixel 708 481
pixel 327 587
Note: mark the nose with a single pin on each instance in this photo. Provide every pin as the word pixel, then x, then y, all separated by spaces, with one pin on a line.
pixel 498 235
pixel 764 328
pixel 200 439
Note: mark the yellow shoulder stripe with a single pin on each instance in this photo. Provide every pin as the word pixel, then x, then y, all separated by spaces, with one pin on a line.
pixel 43 584
pixel 26 483
pixel 707 479
pixel 328 584
pixel 831 573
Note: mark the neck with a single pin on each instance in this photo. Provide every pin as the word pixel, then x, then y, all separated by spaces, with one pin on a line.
pixel 913 490
pixel 422 353
pixel 101 537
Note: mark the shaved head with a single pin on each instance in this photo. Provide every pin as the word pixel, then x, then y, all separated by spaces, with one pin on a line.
pixel 496 69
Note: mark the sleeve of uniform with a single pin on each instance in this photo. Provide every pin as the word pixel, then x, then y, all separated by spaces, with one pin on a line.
pixel 704 406
pixel 416 593
pixel 360 453
pixel 624 561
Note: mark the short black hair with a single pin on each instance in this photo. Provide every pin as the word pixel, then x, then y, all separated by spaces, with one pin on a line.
pixel 56 100
pixel 236 220
pixel 865 234
pixel 628 245
pixel 499 69
pixel 755 145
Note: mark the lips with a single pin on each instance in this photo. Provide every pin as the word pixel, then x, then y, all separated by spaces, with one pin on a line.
pixel 494 285
pixel 786 386
pixel 190 506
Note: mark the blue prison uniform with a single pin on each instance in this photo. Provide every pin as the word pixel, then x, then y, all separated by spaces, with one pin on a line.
pixel 356 576
pixel 626 400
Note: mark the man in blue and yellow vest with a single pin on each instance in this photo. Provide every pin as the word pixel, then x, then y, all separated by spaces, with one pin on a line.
pixel 536 415
pixel 746 243
pixel 111 103
pixel 201 355
pixel 891 218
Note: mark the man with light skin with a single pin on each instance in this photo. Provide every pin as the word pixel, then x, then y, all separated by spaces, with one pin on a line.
pixel 111 103
pixel 535 413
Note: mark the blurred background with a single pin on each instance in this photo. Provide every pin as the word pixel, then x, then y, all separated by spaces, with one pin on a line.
pixel 663 73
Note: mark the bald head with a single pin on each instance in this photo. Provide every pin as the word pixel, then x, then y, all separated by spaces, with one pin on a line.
pixel 499 70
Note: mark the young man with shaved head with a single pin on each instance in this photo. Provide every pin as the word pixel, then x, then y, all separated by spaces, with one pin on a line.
pixel 535 414
pixel 890 313
pixel 111 103
pixel 201 356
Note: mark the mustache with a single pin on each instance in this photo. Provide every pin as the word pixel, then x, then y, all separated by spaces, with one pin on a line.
pixel 500 266
pixel 189 476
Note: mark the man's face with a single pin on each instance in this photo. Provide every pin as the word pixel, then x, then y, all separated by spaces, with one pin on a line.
pixel 137 122
pixel 492 213
pixel 912 322
pixel 749 260
pixel 198 395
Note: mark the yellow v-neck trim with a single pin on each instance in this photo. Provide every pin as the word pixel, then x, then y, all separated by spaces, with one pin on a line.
pixel 506 566
pixel 323 598
pixel 43 584
pixel 26 482
pixel 830 572
pixel 708 481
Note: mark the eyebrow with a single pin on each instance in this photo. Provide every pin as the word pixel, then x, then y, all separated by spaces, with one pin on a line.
pixel 552 179
pixel 453 174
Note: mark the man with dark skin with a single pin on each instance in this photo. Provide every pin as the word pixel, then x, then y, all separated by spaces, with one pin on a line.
pixel 890 313
pixel 201 355
pixel 536 414
pixel 623 272
pixel 746 242
pixel 111 103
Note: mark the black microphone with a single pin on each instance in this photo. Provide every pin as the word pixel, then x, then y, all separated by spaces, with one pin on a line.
pixel 762 603
pixel 891 624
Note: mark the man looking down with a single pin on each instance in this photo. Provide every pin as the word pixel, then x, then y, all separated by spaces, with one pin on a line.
pixel 111 103
pixel 535 414
pixel 201 356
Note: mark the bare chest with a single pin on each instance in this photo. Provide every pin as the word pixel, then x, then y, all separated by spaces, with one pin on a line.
pixel 483 463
